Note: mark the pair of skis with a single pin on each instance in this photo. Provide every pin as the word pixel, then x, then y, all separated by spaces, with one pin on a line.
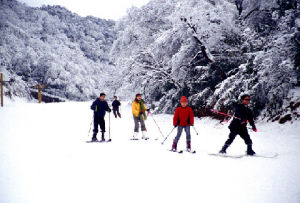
pixel 147 138
pixel 181 151
pixel 261 155
pixel 99 141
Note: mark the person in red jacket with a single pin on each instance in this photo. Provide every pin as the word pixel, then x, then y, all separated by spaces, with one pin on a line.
pixel 183 118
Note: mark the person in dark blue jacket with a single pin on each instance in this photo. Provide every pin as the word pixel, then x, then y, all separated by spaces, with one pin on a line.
pixel 116 104
pixel 99 107
pixel 239 125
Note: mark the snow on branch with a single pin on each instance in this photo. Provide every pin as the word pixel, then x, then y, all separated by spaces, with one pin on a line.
pixel 152 67
pixel 204 50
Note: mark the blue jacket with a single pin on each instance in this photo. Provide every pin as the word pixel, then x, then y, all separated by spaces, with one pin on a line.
pixel 99 108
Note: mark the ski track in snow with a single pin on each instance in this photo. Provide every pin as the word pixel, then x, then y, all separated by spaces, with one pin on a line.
pixel 44 158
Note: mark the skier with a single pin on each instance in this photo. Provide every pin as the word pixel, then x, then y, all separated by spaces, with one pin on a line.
pixel 139 116
pixel 183 118
pixel 116 104
pixel 99 107
pixel 238 126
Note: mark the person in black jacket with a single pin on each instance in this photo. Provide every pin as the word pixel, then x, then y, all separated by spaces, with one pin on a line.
pixel 116 104
pixel 99 107
pixel 239 125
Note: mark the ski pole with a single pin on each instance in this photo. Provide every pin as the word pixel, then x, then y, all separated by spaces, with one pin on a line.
pixel 168 135
pixel 156 125
pixel 195 130
pixel 109 140
pixel 90 128
pixel 225 114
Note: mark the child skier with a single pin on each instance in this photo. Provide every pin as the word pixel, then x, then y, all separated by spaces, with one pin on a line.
pixel 139 116
pixel 183 118
pixel 99 107
pixel 239 125
pixel 116 104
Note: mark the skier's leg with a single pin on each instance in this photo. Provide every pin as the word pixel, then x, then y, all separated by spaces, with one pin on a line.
pixel 95 130
pixel 246 137
pixel 136 127
pixel 232 136
pixel 143 127
pixel 228 142
pixel 175 141
pixel 188 137
pixel 119 114
pixel 179 132
pixel 102 126
pixel 115 113
pixel 136 124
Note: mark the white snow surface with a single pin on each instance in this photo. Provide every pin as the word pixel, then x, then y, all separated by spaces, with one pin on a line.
pixel 44 158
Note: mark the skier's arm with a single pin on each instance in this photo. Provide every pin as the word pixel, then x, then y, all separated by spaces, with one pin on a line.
pixel 175 118
pixel 93 107
pixel 251 121
pixel 135 110
pixel 107 107
pixel 191 116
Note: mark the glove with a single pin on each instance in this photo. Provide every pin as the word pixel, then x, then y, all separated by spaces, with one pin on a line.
pixel 254 129
pixel 175 126
pixel 148 110
pixel 109 110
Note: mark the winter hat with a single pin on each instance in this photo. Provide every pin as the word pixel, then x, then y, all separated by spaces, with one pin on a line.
pixel 183 99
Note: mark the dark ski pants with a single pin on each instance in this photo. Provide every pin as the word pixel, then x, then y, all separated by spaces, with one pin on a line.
pixel 99 121
pixel 138 120
pixel 243 134
pixel 116 113
pixel 187 132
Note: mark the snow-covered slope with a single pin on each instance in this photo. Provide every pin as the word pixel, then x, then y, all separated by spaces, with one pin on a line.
pixel 44 157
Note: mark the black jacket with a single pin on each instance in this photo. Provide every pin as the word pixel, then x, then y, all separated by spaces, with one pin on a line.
pixel 116 104
pixel 100 107
pixel 243 115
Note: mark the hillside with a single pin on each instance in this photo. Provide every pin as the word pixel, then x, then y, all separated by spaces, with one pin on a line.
pixel 211 51
pixel 52 46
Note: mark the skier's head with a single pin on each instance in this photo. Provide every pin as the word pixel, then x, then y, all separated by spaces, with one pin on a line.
pixel 245 98
pixel 115 97
pixel 183 101
pixel 102 96
pixel 138 97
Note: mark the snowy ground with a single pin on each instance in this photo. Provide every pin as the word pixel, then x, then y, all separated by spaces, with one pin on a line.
pixel 44 158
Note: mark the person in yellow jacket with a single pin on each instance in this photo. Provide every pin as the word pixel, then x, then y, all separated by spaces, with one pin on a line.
pixel 139 116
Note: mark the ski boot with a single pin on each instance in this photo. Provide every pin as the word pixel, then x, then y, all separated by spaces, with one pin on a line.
pixel 94 138
pixel 250 151
pixel 223 150
pixel 144 135
pixel 135 136
pixel 174 146
pixel 188 145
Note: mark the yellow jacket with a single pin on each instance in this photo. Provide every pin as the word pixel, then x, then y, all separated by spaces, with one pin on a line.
pixel 136 108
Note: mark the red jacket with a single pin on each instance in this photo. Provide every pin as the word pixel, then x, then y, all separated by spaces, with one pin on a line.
pixel 183 116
